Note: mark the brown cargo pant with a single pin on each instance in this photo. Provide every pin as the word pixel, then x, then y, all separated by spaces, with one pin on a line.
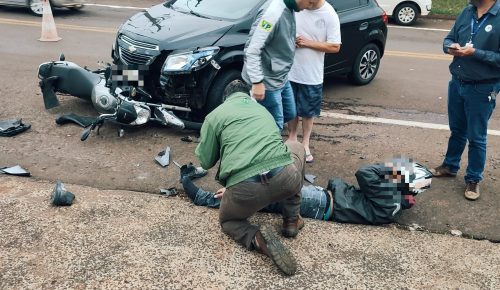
pixel 244 199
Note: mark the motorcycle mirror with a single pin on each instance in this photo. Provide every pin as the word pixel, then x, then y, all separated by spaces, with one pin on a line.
pixel 62 57
pixel 107 75
pixel 86 133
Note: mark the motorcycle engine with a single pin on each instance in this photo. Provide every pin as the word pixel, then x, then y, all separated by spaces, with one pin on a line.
pixel 103 101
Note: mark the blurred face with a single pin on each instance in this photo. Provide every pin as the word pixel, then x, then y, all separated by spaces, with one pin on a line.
pixel 307 4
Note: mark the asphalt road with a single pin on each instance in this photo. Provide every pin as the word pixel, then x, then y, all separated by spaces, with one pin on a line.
pixel 411 85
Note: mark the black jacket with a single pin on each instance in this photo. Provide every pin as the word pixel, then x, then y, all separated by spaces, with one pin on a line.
pixel 377 201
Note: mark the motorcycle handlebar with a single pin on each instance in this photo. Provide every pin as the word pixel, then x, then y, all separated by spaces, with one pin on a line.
pixel 86 133
pixel 97 122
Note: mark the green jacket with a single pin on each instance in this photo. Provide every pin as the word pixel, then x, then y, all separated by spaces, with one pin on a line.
pixel 243 135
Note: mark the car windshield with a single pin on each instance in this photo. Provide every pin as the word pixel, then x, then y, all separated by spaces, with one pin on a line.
pixel 225 9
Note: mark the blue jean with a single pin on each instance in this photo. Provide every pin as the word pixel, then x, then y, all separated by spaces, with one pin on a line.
pixel 313 202
pixel 469 110
pixel 281 104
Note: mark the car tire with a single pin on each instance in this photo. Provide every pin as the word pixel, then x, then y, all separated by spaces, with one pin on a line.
pixel 36 7
pixel 366 65
pixel 226 83
pixel 406 14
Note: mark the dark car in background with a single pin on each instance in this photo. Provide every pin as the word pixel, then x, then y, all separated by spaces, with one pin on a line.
pixel 193 49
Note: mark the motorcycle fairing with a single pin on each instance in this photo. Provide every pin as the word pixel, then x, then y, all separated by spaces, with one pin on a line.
pixel 67 78
pixel 12 127
pixel 15 170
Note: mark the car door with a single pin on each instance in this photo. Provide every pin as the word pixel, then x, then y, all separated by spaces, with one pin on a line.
pixel 14 2
pixel 354 29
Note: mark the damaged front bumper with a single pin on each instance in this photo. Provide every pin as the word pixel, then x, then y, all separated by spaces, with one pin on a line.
pixel 180 77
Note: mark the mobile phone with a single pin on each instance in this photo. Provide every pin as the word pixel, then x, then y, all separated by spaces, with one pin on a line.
pixel 452 47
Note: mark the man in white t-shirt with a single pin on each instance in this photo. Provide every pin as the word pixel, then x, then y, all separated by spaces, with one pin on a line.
pixel 318 32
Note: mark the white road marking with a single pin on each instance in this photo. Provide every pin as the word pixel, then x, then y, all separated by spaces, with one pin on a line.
pixel 395 122
pixel 116 6
pixel 418 28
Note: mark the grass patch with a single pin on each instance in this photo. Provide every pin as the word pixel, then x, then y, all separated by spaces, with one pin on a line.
pixel 448 7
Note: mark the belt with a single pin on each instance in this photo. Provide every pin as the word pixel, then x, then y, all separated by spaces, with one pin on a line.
pixel 265 176
pixel 485 81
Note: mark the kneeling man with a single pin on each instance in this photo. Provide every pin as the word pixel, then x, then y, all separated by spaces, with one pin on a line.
pixel 258 169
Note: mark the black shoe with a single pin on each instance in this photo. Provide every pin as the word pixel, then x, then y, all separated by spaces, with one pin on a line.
pixel 265 242
pixel 192 172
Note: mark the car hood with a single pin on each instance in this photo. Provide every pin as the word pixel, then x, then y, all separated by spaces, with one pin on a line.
pixel 175 30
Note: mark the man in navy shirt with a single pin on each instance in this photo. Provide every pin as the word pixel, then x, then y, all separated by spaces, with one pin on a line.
pixel 474 42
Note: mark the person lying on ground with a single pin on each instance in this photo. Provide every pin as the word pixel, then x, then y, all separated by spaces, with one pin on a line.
pixel 385 190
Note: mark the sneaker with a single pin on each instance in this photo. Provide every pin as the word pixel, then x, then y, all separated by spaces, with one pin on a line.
pixel 442 171
pixel 192 172
pixel 472 190
pixel 291 226
pixel 265 242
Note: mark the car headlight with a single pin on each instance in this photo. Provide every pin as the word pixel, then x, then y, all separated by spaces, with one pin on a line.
pixel 143 114
pixel 192 60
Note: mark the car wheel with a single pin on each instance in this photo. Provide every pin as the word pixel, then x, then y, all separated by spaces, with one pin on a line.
pixel 225 84
pixel 36 7
pixel 366 65
pixel 406 14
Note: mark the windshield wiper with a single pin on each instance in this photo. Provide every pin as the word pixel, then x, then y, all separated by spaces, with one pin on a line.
pixel 198 14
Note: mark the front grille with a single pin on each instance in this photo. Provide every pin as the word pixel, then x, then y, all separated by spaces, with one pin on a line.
pixel 136 52
pixel 139 44
pixel 134 58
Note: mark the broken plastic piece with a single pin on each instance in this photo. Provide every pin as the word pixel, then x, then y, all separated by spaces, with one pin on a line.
pixel 73 118
pixel 60 196
pixel 188 139
pixel 15 170
pixel 172 191
pixel 310 178
pixel 11 127
pixel 163 157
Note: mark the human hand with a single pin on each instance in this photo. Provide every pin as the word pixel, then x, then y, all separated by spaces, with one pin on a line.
pixel 258 91
pixel 461 51
pixel 219 193
pixel 301 41
pixel 453 49
pixel 466 51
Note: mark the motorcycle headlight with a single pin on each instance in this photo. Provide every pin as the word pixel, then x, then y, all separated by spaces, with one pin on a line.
pixel 187 61
pixel 143 115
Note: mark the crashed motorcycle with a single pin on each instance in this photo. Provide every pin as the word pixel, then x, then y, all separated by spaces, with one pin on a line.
pixel 112 96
